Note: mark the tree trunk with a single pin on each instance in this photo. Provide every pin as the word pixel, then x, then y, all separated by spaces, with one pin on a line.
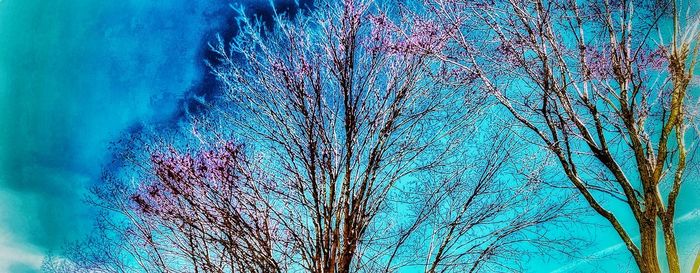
pixel 649 260
pixel 670 245
pixel 347 255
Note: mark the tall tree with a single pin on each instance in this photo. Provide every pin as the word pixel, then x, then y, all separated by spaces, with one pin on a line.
pixel 344 123
pixel 605 86
pixel 364 163
pixel 348 115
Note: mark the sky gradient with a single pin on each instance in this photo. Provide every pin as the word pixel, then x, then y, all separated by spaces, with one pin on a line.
pixel 76 75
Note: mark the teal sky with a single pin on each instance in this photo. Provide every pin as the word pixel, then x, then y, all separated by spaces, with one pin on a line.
pixel 77 74
pixel 74 76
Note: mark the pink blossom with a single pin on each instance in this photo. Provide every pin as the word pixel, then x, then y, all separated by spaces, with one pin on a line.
pixel 424 37
pixel 598 62
pixel 654 59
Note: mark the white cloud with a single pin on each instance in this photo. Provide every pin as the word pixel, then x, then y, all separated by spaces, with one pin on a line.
pixel 13 252
pixel 690 216
pixel 608 250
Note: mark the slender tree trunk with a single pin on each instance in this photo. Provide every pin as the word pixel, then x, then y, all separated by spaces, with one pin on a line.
pixel 650 261
pixel 670 244
pixel 348 252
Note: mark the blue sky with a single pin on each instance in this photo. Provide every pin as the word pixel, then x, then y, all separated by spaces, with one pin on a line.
pixel 74 76
pixel 77 74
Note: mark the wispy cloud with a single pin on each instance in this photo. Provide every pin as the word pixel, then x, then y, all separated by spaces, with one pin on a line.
pixel 606 251
pixel 690 216
pixel 13 253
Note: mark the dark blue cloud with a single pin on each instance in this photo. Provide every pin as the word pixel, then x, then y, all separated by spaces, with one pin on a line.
pixel 77 75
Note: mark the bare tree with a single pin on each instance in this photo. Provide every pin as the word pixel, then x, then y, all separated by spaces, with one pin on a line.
pixel 588 79
pixel 343 121
pixel 363 163
pixel 489 215
pixel 197 208
pixel 209 209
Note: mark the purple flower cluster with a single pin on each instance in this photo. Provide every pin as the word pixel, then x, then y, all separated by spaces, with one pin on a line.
pixel 653 58
pixel 179 178
pixel 458 75
pixel 425 37
pixel 510 52
pixel 598 62
pixel 381 36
